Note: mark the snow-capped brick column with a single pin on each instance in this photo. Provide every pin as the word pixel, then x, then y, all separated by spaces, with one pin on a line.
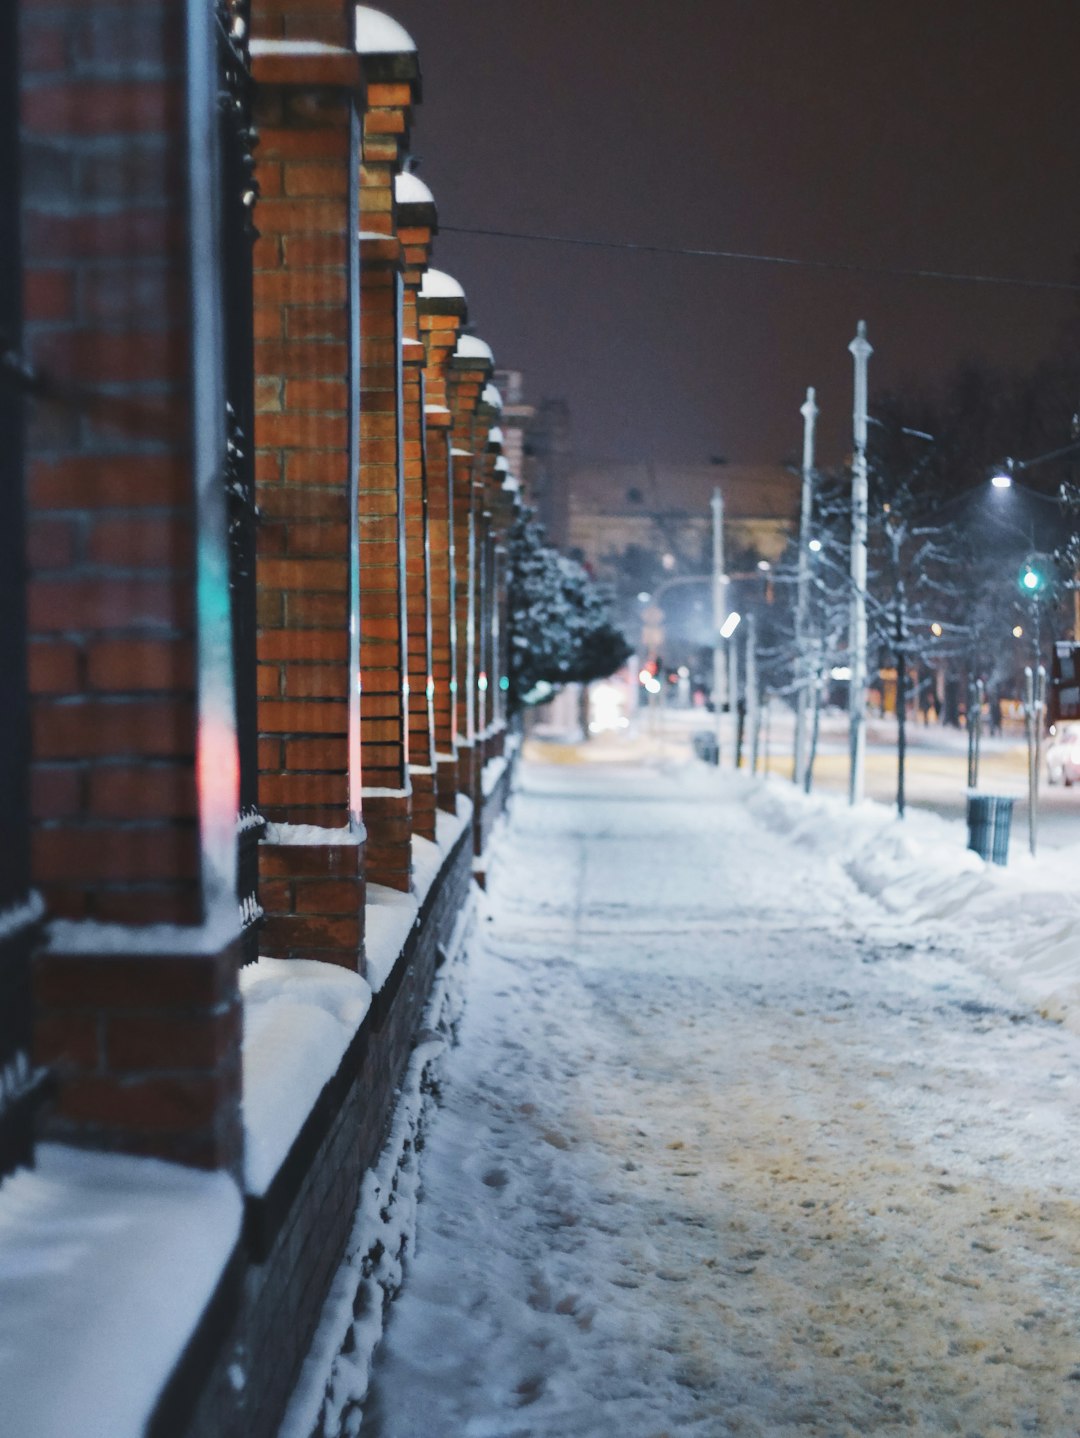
pixel 417 222
pixel 134 771
pixel 392 74
pixel 306 362
pixel 470 369
pixel 442 311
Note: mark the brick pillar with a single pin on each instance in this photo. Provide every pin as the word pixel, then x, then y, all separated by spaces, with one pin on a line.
pixel 392 75
pixel 417 223
pixel 470 367
pixel 134 768
pixel 442 311
pixel 306 363
pixel 487 693
pixel 18 908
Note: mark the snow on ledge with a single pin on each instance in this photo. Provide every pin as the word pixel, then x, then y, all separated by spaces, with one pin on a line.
pixel 438 285
pixel 310 834
pixel 495 435
pixel 21 916
pixel 491 773
pixel 300 1016
pixel 91 936
pixel 260 48
pixel 492 397
pixel 378 34
pixel 389 915
pixel 409 189
pixel 106 1265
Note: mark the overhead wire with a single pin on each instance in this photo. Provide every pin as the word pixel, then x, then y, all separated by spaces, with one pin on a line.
pixel 750 257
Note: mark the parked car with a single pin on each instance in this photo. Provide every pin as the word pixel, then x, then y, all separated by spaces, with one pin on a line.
pixel 1063 754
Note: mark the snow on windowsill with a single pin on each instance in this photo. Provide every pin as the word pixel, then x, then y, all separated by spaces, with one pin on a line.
pixel 300 1015
pixel 106 1264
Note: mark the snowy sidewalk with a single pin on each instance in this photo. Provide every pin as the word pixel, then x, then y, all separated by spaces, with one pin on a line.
pixel 727 1148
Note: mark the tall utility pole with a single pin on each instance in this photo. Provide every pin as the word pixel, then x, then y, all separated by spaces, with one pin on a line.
pixel 720 611
pixel 809 412
pixel 752 705
pixel 861 349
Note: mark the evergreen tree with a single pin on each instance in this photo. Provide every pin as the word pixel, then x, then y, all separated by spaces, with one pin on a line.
pixel 560 626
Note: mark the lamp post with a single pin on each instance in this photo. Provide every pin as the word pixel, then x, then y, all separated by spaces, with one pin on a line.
pixel 861 350
pixel 720 609
pixel 809 412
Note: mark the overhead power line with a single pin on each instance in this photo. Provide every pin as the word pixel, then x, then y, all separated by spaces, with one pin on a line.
pixel 746 257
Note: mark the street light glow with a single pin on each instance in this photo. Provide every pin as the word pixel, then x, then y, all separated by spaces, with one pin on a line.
pixel 1002 481
pixel 730 624
pixel 814 546
pixel 764 565
pixel 1018 631
pixel 935 630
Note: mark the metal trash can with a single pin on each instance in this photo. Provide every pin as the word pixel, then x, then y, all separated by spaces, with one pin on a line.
pixel 989 821
pixel 706 747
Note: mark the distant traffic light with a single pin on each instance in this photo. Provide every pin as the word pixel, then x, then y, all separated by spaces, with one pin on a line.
pixel 1033 576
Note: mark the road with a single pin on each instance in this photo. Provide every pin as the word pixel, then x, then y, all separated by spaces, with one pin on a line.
pixel 724 1150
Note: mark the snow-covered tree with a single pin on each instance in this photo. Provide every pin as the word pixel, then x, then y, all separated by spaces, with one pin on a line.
pixel 560 625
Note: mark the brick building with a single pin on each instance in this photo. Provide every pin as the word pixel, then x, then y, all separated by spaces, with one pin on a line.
pixel 253 738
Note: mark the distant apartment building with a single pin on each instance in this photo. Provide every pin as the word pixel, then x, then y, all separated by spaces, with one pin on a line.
pixel 646 528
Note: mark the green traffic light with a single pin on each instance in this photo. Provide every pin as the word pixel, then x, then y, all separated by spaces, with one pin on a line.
pixel 1032 578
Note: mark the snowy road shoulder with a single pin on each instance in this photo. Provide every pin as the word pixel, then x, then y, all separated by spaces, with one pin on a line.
pixel 1020 923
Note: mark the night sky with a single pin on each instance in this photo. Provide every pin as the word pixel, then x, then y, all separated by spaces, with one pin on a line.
pixel 940 134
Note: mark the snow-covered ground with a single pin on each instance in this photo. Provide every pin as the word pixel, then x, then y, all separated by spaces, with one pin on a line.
pixel 740 1136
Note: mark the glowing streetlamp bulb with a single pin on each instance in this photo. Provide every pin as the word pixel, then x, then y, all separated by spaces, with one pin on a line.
pixel 935 630
pixel 1002 480
pixel 764 565
pixel 814 546
pixel 1018 631
pixel 730 624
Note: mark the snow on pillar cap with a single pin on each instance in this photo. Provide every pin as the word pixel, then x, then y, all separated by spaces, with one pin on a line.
pixel 502 465
pixel 409 189
pixel 492 397
pixel 378 34
pixel 471 347
pixel 387 51
pixel 438 285
pixel 495 435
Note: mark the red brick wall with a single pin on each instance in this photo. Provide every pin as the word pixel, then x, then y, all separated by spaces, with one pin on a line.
pixel 111 500
pixel 141 1031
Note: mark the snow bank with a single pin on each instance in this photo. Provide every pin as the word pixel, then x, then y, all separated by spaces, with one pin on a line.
pixel 299 1018
pixel 1021 923
pixel 106 1265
